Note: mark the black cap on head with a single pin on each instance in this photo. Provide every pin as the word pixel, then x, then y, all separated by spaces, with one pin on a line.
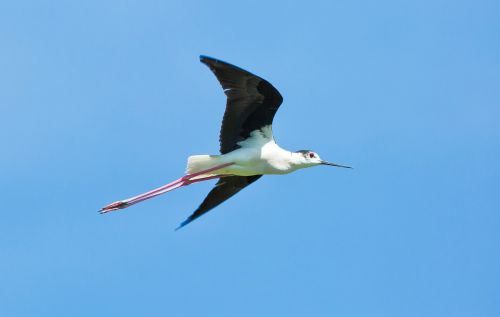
pixel 303 151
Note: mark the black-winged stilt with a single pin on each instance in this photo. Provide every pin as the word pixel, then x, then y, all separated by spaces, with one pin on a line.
pixel 247 146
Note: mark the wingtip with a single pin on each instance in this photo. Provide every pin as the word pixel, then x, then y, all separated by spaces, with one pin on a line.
pixel 184 223
pixel 204 58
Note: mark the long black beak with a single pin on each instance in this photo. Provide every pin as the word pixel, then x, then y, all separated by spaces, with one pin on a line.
pixel 333 164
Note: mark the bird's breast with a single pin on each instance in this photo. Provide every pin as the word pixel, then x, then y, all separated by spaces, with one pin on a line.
pixel 267 158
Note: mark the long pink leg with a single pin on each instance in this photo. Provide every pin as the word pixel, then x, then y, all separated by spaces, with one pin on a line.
pixel 183 181
pixel 130 202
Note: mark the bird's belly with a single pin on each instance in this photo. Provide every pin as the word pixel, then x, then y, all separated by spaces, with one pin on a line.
pixel 252 169
pixel 248 162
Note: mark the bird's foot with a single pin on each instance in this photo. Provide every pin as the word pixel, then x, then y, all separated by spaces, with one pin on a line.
pixel 113 206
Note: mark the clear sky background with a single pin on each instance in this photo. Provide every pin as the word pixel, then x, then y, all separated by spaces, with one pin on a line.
pixel 102 100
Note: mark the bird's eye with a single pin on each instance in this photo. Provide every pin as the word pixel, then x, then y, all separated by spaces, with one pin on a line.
pixel 311 155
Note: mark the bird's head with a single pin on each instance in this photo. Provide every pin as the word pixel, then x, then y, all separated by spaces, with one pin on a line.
pixel 307 158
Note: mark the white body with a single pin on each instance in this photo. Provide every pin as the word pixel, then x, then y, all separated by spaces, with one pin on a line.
pixel 257 155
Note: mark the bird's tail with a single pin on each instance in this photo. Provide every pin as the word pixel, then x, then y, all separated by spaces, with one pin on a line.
pixel 198 163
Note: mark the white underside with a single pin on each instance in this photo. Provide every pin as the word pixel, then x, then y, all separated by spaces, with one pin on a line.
pixel 257 155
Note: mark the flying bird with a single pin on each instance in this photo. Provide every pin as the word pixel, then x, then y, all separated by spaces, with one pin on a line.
pixel 247 146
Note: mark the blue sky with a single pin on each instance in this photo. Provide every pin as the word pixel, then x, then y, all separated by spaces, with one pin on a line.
pixel 101 100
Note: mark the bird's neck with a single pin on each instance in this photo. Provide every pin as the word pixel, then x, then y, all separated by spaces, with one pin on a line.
pixel 296 160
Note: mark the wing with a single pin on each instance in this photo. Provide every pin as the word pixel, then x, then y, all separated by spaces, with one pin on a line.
pixel 252 102
pixel 225 188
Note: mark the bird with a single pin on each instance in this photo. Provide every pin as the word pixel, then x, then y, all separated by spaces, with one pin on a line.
pixel 247 147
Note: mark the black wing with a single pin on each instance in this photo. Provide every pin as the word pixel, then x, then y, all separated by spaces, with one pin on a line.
pixel 225 188
pixel 252 102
